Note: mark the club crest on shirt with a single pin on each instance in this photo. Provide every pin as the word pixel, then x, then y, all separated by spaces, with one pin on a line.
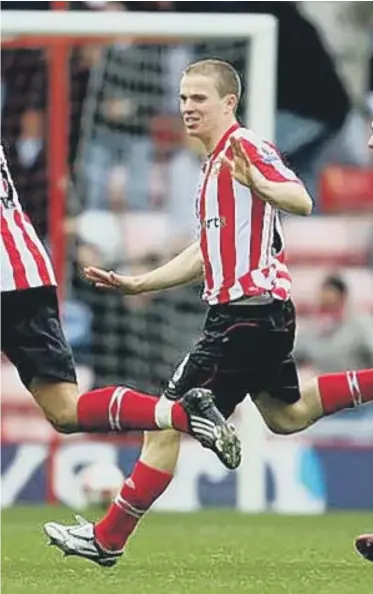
pixel 216 167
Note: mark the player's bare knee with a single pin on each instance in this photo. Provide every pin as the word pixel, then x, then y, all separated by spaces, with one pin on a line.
pixel 287 423
pixel 64 425
pixel 280 427
pixel 64 420
pixel 283 429
pixel 311 399
pixel 58 402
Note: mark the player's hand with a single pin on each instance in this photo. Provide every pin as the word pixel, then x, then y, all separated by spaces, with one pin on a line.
pixel 240 165
pixel 104 279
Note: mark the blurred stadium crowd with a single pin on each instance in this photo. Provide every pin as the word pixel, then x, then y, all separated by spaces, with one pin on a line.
pixel 132 181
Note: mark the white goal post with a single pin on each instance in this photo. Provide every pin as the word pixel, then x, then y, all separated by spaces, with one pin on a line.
pixel 260 108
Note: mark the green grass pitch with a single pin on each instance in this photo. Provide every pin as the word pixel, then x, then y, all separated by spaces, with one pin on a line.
pixel 210 552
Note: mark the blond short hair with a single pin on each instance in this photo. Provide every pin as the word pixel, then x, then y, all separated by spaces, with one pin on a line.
pixel 227 78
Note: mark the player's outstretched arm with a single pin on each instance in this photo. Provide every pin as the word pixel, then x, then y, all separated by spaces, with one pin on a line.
pixel 285 195
pixel 181 270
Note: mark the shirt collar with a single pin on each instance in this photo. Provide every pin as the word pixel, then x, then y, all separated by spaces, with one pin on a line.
pixel 220 145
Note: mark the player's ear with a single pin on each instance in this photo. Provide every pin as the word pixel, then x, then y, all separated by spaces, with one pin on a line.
pixel 230 103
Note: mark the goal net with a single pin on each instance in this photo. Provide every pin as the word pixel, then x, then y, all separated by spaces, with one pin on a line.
pixel 90 118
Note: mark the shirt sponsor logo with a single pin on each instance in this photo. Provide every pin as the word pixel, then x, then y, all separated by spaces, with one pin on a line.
pixel 214 223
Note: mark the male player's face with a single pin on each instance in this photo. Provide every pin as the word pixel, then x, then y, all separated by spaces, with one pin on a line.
pixel 370 141
pixel 202 108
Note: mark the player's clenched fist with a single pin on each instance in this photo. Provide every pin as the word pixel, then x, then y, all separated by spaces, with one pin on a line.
pixel 104 279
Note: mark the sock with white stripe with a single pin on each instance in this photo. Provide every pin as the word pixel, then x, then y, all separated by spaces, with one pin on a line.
pixel 117 408
pixel 345 390
pixel 138 493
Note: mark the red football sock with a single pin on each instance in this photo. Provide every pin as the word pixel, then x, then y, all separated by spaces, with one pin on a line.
pixel 345 390
pixel 138 493
pixel 118 408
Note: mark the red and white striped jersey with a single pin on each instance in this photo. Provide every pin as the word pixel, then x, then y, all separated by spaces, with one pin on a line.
pixel 241 239
pixel 24 260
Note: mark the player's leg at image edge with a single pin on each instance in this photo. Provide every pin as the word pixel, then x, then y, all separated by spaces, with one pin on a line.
pixel 364 546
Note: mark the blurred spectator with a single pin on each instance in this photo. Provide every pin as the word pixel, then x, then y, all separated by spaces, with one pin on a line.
pixel 345 32
pixel 339 338
pixel 23 74
pixel 27 158
pixel 76 321
pixel 185 164
pixel 82 60
pixel 125 92
pixel 312 101
pixel 176 158
pixel 30 143
pixel 99 237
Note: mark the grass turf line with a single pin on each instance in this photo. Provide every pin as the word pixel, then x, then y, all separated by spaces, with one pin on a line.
pixel 203 553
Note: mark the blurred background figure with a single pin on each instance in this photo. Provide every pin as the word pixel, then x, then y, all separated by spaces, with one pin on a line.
pixel 28 157
pixel 338 336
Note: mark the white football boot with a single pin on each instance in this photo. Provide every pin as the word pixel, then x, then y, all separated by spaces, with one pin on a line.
pixel 79 540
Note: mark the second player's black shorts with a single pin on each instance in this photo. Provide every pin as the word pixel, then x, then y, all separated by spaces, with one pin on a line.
pixel 32 337
pixel 244 349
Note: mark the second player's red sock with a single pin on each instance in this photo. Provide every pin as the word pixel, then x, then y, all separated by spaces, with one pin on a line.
pixel 345 390
pixel 119 408
pixel 138 493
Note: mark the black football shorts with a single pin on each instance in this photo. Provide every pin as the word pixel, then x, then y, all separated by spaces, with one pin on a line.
pixel 32 337
pixel 244 349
